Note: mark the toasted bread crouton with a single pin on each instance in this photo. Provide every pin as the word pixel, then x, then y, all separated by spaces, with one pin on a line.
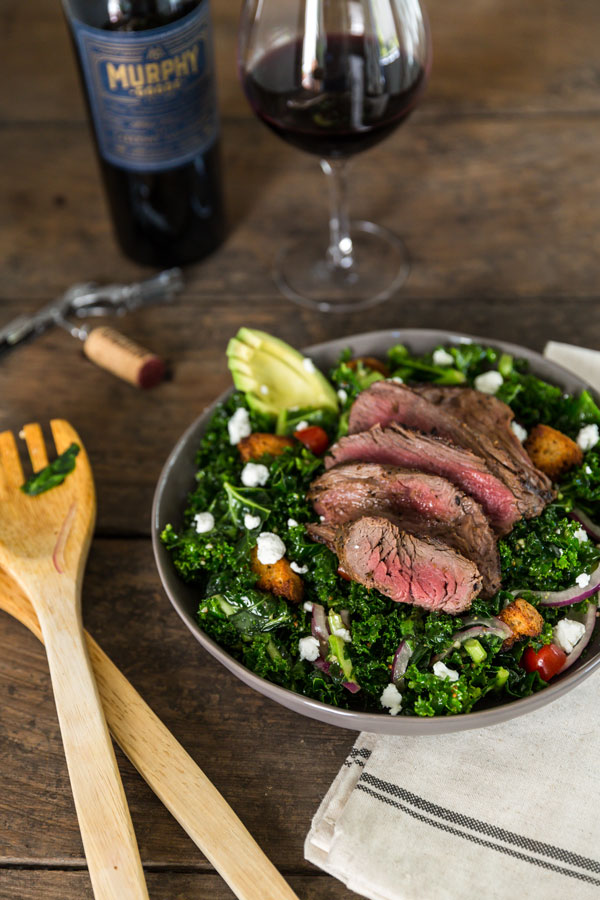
pixel 371 362
pixel 523 619
pixel 258 444
pixel 278 578
pixel 552 451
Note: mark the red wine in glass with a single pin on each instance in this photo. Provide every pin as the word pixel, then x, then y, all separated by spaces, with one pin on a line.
pixel 334 78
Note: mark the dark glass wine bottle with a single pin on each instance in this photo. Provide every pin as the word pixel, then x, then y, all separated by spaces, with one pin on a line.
pixel 147 69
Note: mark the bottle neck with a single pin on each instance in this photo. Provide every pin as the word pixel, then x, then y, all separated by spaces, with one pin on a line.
pixel 128 15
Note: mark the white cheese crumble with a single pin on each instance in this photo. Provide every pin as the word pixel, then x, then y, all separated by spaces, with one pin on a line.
pixel 291 523
pixel 489 382
pixel 441 357
pixel 342 395
pixel 299 570
pixel 567 633
pixel 239 426
pixel 251 522
pixel 269 548
pixel 342 633
pixel 309 365
pixel 518 431
pixel 301 425
pixel 581 535
pixel 392 699
pixel 583 580
pixel 254 475
pixel 204 522
pixel 588 437
pixel 442 671
pixel 307 606
pixel 308 648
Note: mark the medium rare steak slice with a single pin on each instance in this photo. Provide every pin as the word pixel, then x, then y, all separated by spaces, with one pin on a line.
pixel 408 569
pixel 398 446
pixel 385 402
pixel 425 505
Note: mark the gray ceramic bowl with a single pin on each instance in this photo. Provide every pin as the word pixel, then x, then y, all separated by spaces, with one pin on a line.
pixel 177 478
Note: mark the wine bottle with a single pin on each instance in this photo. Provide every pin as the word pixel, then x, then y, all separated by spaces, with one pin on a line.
pixel 147 70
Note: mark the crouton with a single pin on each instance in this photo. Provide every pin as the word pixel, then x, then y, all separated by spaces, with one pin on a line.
pixel 523 619
pixel 371 362
pixel 258 444
pixel 552 451
pixel 278 578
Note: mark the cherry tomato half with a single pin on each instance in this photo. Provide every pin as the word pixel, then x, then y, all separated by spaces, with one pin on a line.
pixel 548 660
pixel 313 437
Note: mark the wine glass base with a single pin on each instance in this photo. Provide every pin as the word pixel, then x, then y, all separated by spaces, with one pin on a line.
pixel 380 266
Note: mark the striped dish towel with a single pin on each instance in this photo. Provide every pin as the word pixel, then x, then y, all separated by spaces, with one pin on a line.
pixel 505 812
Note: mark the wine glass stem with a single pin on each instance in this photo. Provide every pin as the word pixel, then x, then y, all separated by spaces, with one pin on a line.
pixel 340 252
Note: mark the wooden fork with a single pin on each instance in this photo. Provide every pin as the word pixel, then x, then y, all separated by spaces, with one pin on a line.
pixel 170 771
pixel 44 543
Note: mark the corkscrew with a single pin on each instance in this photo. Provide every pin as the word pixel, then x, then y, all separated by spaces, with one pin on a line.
pixel 104 345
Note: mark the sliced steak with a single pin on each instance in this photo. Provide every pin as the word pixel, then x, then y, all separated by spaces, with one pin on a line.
pixel 425 505
pixel 479 431
pixel 399 446
pixel 408 569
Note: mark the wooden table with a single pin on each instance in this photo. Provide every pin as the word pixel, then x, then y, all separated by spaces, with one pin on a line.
pixel 494 184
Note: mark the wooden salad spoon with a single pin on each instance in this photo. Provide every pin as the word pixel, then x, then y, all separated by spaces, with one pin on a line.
pixel 44 543
pixel 169 770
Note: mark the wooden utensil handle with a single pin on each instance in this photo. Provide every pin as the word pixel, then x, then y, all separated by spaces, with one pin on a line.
pixel 184 788
pixel 106 829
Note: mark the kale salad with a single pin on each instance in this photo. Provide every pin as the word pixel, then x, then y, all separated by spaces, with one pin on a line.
pixel 311 629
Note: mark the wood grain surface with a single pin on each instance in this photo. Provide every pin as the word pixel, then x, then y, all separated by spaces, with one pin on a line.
pixel 493 183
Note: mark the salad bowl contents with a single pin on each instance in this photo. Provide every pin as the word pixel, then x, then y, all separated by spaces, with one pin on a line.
pixel 394 532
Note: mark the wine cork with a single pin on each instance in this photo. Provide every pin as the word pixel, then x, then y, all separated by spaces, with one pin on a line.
pixel 123 357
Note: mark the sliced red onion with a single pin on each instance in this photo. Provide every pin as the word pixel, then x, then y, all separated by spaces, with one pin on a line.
pixel 501 630
pixel 351 686
pixel 592 529
pixel 325 666
pixel 589 620
pixel 401 658
pixel 319 629
pixel 571 595
pixel 345 617
pixel 491 622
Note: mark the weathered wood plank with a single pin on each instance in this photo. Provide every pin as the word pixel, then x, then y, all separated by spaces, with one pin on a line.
pixel 488 208
pixel 495 56
pixel 48 885
pixel 262 757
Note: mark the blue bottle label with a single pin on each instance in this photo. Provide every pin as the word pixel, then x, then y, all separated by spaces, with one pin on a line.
pixel 152 93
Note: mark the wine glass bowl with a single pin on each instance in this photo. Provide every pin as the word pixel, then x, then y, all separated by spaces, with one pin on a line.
pixel 334 78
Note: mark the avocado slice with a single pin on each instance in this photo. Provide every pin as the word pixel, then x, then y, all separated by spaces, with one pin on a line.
pixel 274 376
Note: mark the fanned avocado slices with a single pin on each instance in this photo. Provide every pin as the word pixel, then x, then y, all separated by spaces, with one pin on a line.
pixel 274 376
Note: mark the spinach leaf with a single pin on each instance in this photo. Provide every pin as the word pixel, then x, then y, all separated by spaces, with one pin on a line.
pixel 53 474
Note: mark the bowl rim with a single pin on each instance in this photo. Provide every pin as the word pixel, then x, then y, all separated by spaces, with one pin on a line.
pixel 346 718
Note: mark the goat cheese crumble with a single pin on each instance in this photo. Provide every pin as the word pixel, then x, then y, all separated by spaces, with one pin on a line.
pixel 442 671
pixel 342 395
pixel 581 535
pixel 269 548
pixel 342 633
pixel 239 426
pixel 588 437
pixel 302 425
pixel 308 648
pixel 488 382
pixel 291 523
pixel 518 431
pixel 299 570
pixel 254 475
pixel 583 580
pixel 307 606
pixel 567 633
pixel 441 357
pixel 204 522
pixel 391 699
pixel 251 522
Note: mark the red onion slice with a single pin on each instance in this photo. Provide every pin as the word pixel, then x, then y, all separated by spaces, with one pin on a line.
pixel 592 529
pixel 325 666
pixel 491 622
pixel 501 630
pixel 319 629
pixel 571 595
pixel 589 620
pixel 401 658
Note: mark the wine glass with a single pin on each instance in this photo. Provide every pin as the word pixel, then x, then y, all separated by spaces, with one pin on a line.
pixel 335 77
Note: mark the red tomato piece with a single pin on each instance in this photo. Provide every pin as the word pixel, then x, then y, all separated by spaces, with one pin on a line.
pixel 548 660
pixel 314 437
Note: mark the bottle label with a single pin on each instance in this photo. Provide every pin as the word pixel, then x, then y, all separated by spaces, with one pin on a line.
pixel 152 93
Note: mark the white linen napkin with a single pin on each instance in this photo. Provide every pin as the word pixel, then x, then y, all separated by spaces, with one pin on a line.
pixel 504 812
